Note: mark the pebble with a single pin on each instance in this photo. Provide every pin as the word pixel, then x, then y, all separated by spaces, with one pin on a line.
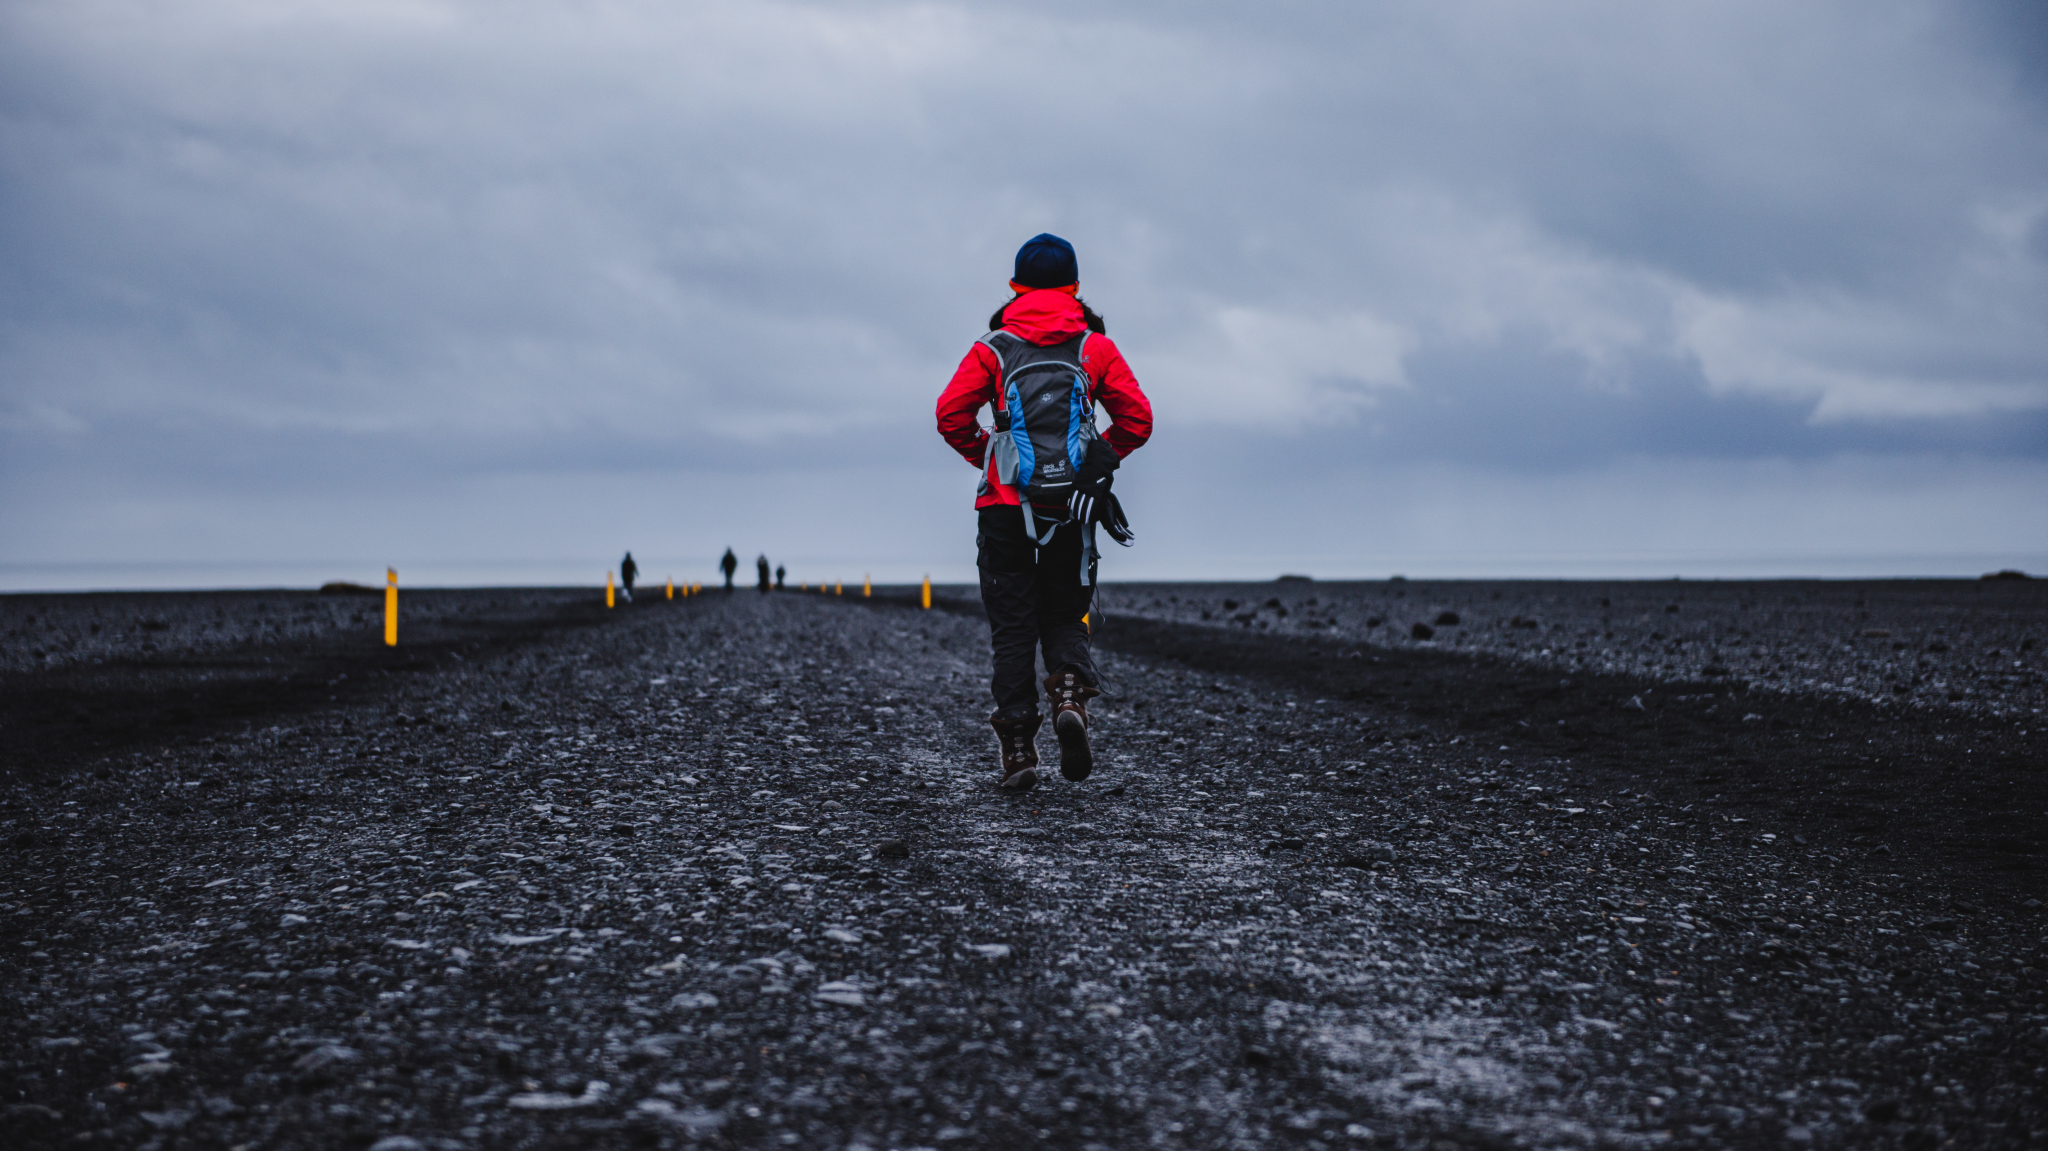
pixel 325 1058
pixel 398 1143
pixel 842 993
pixel 1367 854
pixel 695 1122
pixel 593 1094
pixel 893 849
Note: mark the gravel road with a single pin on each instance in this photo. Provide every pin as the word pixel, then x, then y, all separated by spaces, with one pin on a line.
pixel 732 872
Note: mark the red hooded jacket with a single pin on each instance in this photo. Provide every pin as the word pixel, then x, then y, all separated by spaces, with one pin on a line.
pixel 1045 316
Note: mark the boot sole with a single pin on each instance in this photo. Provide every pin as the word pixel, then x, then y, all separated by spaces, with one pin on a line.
pixel 1076 760
pixel 1022 781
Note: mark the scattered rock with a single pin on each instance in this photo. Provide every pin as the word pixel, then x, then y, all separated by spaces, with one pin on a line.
pixel 547 936
pixel 593 1094
pixel 653 1047
pixel 893 849
pixel 842 993
pixel 1446 619
pixel 1367 854
pixel 1422 630
pixel 695 1123
pixel 325 1058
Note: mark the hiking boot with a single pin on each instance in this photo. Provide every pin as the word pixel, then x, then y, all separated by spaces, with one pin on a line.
pixel 1018 735
pixel 1069 699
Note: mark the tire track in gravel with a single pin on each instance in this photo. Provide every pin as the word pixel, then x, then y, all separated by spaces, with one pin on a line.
pixel 650 907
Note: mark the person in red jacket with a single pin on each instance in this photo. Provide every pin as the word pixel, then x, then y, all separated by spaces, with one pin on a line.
pixel 1037 560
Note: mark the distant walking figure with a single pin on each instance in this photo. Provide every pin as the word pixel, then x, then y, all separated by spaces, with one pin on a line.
pixel 627 571
pixel 729 565
pixel 761 566
pixel 778 577
pixel 1045 478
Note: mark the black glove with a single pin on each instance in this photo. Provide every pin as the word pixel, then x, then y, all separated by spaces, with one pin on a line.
pixel 1091 481
pixel 1111 512
pixel 1092 501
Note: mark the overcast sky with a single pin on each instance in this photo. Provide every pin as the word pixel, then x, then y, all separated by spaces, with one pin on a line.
pixel 493 291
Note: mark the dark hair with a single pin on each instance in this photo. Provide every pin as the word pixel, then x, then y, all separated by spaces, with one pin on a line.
pixel 1088 316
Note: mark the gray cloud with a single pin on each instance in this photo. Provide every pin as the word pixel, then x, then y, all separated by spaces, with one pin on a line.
pixel 421 243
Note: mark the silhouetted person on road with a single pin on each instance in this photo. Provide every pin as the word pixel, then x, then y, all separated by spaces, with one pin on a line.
pixel 761 566
pixel 628 571
pixel 729 565
pixel 1043 367
pixel 778 577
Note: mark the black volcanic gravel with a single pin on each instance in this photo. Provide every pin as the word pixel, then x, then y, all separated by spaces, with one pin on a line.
pixel 1977 645
pixel 731 872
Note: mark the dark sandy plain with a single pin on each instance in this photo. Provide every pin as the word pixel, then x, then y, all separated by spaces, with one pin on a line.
pixel 1598 865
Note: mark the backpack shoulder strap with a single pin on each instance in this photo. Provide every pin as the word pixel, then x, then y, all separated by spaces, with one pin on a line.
pixel 1000 408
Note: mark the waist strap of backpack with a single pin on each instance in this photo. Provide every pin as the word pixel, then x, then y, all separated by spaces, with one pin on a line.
pixel 1038 542
pixel 1031 525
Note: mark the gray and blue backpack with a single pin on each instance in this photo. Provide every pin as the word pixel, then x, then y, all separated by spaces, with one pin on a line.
pixel 1045 442
pixel 1045 424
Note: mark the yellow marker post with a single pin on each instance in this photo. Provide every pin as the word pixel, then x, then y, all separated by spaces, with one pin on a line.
pixel 671 587
pixel 607 589
pixel 867 587
pixel 927 593
pixel 838 589
pixel 390 607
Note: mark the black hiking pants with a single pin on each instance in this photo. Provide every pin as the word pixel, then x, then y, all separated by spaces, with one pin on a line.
pixel 1035 600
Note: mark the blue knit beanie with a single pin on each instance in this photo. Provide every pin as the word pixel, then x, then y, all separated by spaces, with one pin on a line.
pixel 1046 261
